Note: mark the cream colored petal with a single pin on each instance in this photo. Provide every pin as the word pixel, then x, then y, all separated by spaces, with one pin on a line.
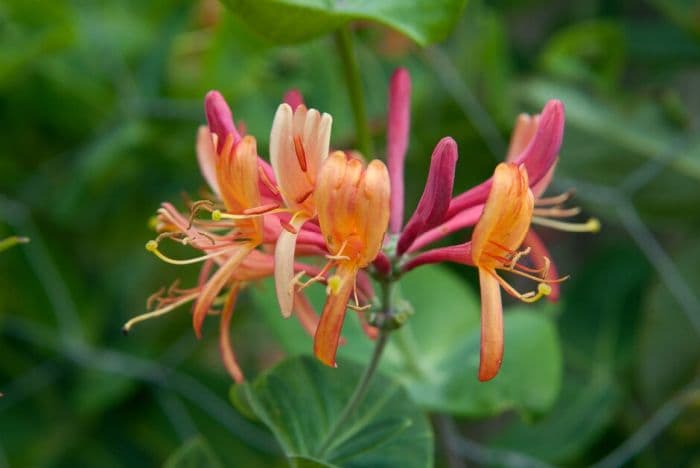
pixel 284 266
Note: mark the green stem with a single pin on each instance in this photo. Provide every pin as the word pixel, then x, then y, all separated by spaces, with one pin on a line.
pixel 363 385
pixel 357 100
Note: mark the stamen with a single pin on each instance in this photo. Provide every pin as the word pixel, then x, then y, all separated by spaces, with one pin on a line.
pixel 556 200
pixel 301 154
pixel 530 296
pixel 556 212
pixel 333 285
pixel 248 213
pixel 288 227
pixel 267 182
pixel 304 197
pixel 152 246
pixel 339 255
pixel 592 225
pixel 359 308
pixel 196 207
pixel 261 209
pixel 157 313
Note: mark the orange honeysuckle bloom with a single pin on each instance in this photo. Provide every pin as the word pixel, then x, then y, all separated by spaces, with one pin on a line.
pixel 299 143
pixel 353 213
pixel 498 234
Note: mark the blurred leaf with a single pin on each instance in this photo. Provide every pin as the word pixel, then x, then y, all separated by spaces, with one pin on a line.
pixel 590 52
pixel 583 411
pixel 436 354
pixel 669 354
pixel 194 454
pixel 289 21
pixel 624 128
pixel 301 399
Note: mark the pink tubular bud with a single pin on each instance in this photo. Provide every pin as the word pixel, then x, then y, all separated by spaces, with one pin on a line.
pixel 436 197
pixel 541 154
pixel 398 125
pixel 220 118
pixel 538 157
pixel 294 98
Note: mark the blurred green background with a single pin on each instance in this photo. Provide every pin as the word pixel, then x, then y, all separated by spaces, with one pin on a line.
pixel 99 104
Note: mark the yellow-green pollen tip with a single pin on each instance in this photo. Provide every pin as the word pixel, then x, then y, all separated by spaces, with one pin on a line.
pixel 151 246
pixel 333 284
pixel 544 289
pixel 593 225
pixel 216 215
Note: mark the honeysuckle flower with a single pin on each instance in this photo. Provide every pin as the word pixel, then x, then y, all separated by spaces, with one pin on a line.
pixel 299 143
pixel 353 213
pixel 244 191
pixel 500 211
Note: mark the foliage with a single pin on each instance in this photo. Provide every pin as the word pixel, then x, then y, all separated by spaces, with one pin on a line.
pixel 100 104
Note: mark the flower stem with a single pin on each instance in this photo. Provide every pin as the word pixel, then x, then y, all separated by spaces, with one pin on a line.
pixel 357 396
pixel 351 71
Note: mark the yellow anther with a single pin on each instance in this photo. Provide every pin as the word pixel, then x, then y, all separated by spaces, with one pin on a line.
pixel 151 246
pixel 333 284
pixel 593 225
pixel 542 291
pixel 216 215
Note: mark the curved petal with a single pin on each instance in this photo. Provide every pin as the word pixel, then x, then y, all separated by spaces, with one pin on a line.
pixel 214 286
pixel 491 353
pixel 284 266
pixel 225 348
pixel 327 335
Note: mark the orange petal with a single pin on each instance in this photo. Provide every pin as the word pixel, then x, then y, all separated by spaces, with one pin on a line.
pixel 214 286
pixel 491 354
pixel 507 213
pixel 284 266
pixel 225 348
pixel 327 335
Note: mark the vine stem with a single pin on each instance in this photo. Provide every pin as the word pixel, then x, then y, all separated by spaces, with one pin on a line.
pixel 353 80
pixel 357 395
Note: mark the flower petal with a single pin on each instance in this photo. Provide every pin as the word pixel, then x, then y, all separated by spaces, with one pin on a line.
pixel 327 335
pixel 491 354
pixel 214 286
pixel 225 348
pixel 284 266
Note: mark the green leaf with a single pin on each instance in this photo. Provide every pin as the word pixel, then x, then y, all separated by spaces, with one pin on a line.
pixel 301 399
pixel 583 411
pixel 436 354
pixel 195 453
pixel 290 21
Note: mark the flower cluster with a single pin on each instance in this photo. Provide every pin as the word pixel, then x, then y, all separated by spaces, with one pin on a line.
pixel 309 203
